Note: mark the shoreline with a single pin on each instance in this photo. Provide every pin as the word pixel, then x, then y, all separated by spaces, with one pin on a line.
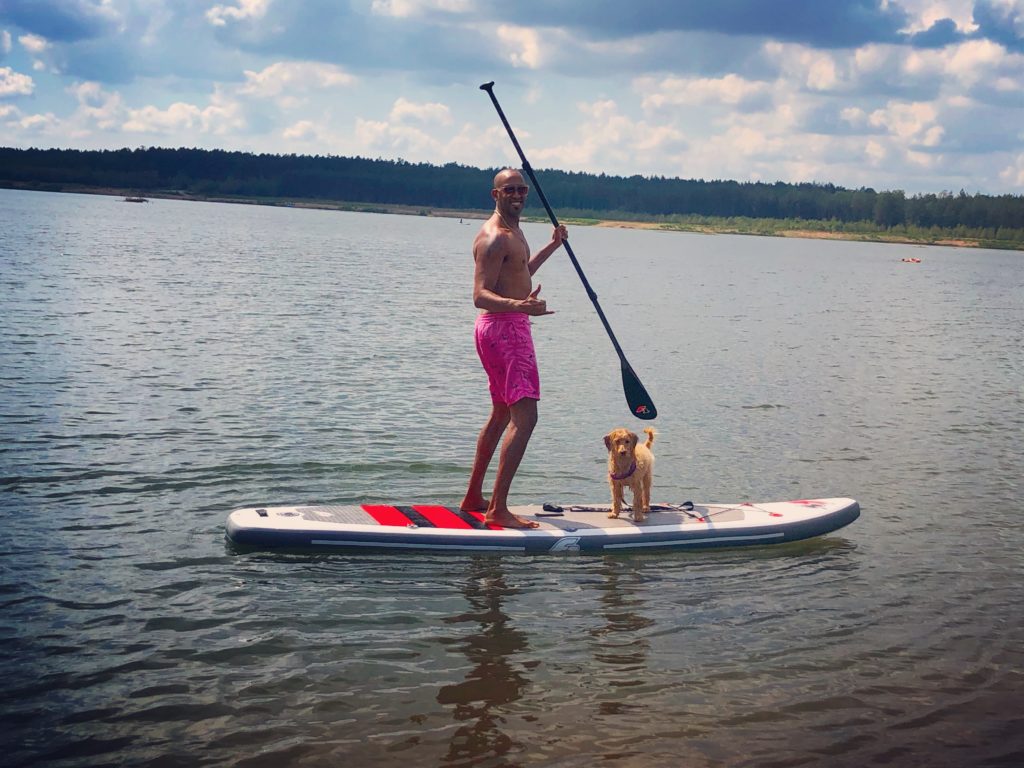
pixel 706 228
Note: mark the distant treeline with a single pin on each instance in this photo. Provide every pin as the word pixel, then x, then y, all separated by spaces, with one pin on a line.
pixel 359 180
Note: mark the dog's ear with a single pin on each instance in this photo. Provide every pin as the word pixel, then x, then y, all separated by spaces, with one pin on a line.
pixel 608 441
pixel 633 438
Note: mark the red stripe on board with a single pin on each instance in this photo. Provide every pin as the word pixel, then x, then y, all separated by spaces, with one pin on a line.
pixel 441 517
pixel 386 515
pixel 480 516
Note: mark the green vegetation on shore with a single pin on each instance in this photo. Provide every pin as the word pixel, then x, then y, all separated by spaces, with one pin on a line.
pixel 815 228
pixel 359 184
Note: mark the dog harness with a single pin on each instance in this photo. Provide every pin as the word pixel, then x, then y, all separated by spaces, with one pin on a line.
pixel 625 475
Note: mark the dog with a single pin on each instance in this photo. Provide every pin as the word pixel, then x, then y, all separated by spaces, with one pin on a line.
pixel 630 465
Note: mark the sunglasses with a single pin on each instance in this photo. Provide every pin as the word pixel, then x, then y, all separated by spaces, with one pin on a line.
pixel 510 189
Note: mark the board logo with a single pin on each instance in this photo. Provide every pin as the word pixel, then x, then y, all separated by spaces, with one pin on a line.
pixel 642 409
pixel 566 544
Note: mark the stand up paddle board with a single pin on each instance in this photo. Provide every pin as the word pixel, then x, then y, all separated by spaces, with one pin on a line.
pixel 561 528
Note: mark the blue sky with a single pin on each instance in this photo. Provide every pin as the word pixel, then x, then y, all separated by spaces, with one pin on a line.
pixel 920 95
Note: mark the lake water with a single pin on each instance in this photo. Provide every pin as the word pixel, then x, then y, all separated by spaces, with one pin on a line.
pixel 162 364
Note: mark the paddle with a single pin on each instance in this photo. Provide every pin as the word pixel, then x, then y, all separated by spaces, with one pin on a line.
pixel 636 396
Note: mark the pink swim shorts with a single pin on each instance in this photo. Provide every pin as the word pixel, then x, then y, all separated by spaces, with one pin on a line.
pixel 505 346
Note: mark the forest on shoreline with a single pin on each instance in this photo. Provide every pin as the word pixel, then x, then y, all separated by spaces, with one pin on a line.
pixel 358 183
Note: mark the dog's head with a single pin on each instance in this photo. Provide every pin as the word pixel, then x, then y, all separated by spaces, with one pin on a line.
pixel 621 442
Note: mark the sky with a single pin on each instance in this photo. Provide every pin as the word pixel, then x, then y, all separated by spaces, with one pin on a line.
pixel 919 95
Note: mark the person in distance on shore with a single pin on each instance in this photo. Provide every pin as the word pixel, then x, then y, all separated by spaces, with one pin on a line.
pixel 503 290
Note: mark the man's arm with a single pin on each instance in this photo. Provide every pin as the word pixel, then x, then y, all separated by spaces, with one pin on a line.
pixel 489 255
pixel 557 236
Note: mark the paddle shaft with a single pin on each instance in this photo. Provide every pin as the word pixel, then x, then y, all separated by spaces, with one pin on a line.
pixel 489 87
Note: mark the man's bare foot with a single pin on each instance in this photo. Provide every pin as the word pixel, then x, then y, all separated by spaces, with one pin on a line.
pixel 506 519
pixel 474 504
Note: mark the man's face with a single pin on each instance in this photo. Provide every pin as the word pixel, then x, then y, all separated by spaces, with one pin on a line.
pixel 510 194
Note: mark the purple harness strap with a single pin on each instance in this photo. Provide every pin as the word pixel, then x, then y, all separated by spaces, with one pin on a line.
pixel 628 473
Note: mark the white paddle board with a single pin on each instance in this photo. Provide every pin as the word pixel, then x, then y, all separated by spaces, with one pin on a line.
pixel 561 528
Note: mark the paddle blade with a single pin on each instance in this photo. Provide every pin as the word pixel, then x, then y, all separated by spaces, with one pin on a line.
pixel 640 403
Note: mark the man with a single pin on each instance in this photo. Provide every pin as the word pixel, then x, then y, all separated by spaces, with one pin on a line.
pixel 503 289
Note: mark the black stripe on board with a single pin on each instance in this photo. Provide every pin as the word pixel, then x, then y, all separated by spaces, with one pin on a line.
pixel 415 516
pixel 468 518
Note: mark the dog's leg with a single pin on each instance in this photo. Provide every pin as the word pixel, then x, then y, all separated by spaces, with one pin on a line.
pixel 616 500
pixel 638 503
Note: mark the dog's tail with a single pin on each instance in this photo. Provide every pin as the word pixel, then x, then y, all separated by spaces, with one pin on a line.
pixel 650 437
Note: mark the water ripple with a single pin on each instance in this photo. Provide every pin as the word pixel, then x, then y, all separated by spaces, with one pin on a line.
pixel 163 364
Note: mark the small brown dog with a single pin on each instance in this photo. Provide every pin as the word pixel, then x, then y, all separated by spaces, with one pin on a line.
pixel 630 466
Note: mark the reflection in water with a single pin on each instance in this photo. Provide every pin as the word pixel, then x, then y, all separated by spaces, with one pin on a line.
pixel 494 680
pixel 618 644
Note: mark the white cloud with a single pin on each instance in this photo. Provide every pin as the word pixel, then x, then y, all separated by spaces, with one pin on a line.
pixel 922 63
pixel 220 117
pixel 970 69
pixel 398 140
pixel 96 107
pixel 34 44
pixel 177 117
pixel 731 90
pixel 875 152
pixel 219 15
pixel 522 46
pixel 750 142
pixel 287 80
pixel 403 9
pixel 1013 174
pixel 922 160
pixel 14 83
pixel 620 142
pixel 39 123
pixel 933 136
pixel 813 69
pixel 479 146
pixel 1007 84
pixel 405 111
pixel 303 130
pixel 911 122
pixel 973 60
pixel 470 145
pixel 659 102
pixel 223 115
pixel 869 59
pixel 923 13
pixel 870 69
pixel 855 116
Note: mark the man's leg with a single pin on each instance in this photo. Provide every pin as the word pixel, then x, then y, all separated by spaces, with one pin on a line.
pixel 523 418
pixel 488 440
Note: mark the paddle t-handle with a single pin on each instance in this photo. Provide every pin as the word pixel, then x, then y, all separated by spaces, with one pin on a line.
pixel 640 403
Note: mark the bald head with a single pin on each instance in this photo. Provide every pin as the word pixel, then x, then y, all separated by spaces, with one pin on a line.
pixel 508 176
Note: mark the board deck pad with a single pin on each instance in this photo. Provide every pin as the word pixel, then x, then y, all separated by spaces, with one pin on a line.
pixel 561 528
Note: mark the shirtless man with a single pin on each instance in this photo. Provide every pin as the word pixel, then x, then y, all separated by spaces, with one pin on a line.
pixel 503 289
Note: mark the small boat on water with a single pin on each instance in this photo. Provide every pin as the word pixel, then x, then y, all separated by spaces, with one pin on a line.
pixel 134 199
pixel 911 260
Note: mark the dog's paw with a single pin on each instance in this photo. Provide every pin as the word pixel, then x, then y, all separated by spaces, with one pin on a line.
pixel 613 515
